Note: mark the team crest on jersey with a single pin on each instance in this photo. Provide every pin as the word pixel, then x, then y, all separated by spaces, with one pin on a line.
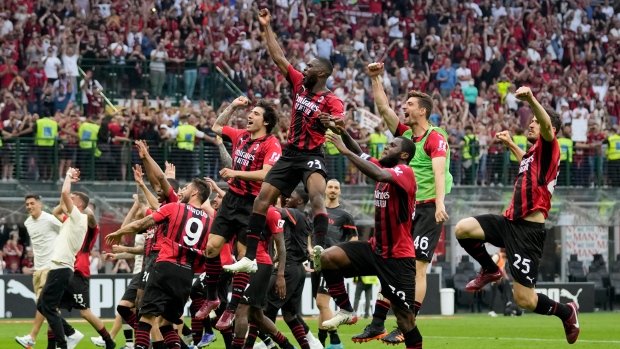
pixel 398 171
pixel 256 146
pixel 280 223
pixel 320 99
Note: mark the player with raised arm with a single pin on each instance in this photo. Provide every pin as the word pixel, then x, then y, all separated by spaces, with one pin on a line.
pixel 521 229
pixel 183 243
pixel 431 165
pixel 255 150
pixel 390 253
pixel 315 108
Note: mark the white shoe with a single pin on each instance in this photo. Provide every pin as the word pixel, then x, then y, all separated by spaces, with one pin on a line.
pixel 98 341
pixel 342 317
pixel 316 257
pixel 74 339
pixel 492 314
pixel 259 345
pixel 313 342
pixel 244 265
pixel 127 346
pixel 187 339
pixel 25 341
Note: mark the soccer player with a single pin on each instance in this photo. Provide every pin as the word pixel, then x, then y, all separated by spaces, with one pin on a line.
pixel 390 253
pixel 168 287
pixel 315 108
pixel 66 247
pixel 521 230
pixel 341 229
pixel 43 228
pixel 431 165
pixel 255 150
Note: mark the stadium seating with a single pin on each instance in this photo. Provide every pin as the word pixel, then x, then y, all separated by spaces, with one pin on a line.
pixel 575 270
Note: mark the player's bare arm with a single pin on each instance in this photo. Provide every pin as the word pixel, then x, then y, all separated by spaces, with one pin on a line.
pixel 281 250
pixel 274 49
pixel 58 212
pixel 439 172
pixel 153 171
pixel 171 170
pixel 132 211
pixel 255 176
pixel 132 228
pixel 350 143
pixel 138 249
pixel 546 131
pixel 506 139
pixel 334 123
pixel 73 175
pixel 224 156
pixel 375 70
pixel 92 221
pixel 366 167
pixel 224 117
pixel 144 194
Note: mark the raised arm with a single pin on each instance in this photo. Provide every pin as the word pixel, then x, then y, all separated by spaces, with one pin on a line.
pixel 350 143
pixel 375 70
pixel 153 171
pixel 144 194
pixel 274 49
pixel 224 117
pixel 546 130
pixel 72 176
pixel 132 228
pixel 366 167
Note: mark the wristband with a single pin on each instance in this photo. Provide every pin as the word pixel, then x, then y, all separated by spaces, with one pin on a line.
pixel 69 174
pixel 365 156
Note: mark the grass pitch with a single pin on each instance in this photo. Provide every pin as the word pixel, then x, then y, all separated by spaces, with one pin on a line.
pixel 599 330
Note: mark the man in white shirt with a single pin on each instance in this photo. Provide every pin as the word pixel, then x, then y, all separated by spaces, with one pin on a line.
pixel 66 247
pixel 43 228
pixel 51 65
pixel 463 74
pixel 325 46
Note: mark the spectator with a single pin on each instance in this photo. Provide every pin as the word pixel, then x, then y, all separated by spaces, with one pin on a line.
pixel 159 57
pixel 96 262
pixel 51 65
pixel 446 77
pixel 12 250
pixel 121 267
pixel 28 262
pixel 324 46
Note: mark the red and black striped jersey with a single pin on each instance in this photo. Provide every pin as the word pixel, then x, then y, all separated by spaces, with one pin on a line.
pixel 394 210
pixel 160 229
pixel 274 225
pixel 82 259
pixel 186 238
pixel 306 131
pixel 538 174
pixel 250 155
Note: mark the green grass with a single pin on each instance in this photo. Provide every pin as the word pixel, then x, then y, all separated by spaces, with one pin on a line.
pixel 599 330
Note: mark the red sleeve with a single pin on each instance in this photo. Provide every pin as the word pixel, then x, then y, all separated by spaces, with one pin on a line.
pixel 336 107
pixel 295 78
pixel 172 196
pixel 231 133
pixel 273 151
pixel 436 146
pixel 375 161
pixel 64 218
pixel 164 212
pixel 275 223
pixel 403 175
pixel 400 129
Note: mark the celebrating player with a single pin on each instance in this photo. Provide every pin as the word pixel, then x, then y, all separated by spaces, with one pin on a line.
pixel 521 230
pixel 255 151
pixel 389 254
pixel 431 165
pixel 303 159
pixel 168 287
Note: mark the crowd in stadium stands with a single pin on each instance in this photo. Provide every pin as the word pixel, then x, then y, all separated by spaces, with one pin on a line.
pixel 470 56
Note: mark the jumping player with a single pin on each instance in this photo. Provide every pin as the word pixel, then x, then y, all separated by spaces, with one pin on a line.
pixel 315 108
pixel 255 151
pixel 521 230
pixel 390 253
pixel 168 287
pixel 431 166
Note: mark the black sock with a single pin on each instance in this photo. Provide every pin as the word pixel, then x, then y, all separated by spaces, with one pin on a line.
pixel 206 323
pixel 413 339
pixel 265 338
pixel 476 249
pixel 239 284
pixel 186 331
pixel 212 276
pixel 547 306
pixel 227 335
pixel 159 345
pixel 128 336
pixel 337 289
pixel 416 307
pixel 51 342
pixel 143 336
pixel 321 224
pixel 171 336
pixel 252 334
pixel 256 224
pixel 333 337
pixel 303 323
pixel 322 336
pixel 299 333
pixel 382 308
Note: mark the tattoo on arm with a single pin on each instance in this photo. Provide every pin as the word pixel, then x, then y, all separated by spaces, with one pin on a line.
pixel 226 158
pixel 223 119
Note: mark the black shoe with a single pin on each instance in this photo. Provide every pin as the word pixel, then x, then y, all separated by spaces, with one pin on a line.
pixel 395 337
pixel 370 333
pixel 110 345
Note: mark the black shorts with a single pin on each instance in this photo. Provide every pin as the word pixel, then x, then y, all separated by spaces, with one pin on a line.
pixel 294 167
pixel 223 285
pixel 396 275
pixel 295 277
pixel 425 230
pixel 233 216
pixel 131 292
pixel 147 268
pixel 318 283
pixel 255 294
pixel 167 290
pixel 77 295
pixel 523 241
pixel 68 152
